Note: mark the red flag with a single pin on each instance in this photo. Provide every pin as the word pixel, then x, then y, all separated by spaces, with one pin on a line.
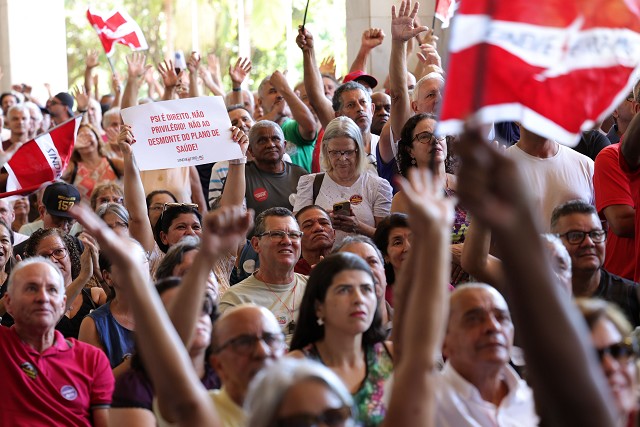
pixel 117 27
pixel 41 160
pixel 445 10
pixel 556 66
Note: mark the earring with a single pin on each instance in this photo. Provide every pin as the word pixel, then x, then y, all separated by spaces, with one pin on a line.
pixel 413 161
pixel 320 322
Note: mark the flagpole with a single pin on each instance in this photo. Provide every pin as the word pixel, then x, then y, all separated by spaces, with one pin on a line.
pixel 113 70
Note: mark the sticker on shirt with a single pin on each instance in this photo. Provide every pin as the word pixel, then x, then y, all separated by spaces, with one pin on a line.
pixel 282 318
pixel 356 199
pixel 260 194
pixel 69 392
pixel 29 369
pixel 249 266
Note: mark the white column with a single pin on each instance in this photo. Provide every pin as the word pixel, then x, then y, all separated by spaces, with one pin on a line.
pixel 33 46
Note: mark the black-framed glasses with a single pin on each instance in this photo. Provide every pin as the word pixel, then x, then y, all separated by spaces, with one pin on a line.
pixel 278 235
pixel 577 237
pixel 245 345
pixel 426 137
pixel 334 417
pixel 208 306
pixel 336 154
pixel 621 351
pixel 58 253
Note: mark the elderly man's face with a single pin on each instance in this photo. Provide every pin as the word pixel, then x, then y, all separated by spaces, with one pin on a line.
pixel 19 122
pixel 480 332
pixel 6 211
pixel 267 147
pixel 357 106
pixel 428 97
pixel 318 231
pixel 36 298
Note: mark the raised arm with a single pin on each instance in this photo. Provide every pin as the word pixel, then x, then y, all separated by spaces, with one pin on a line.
pixel 403 28
pixel 371 38
pixel 169 79
pixel 165 358
pixel 491 188
pixel 90 62
pixel 299 111
pixel 235 185
pixel 192 65
pixel 476 259
pixel 630 148
pixel 134 197
pixel 423 296
pixel 313 79
pixel 238 73
pixel 135 73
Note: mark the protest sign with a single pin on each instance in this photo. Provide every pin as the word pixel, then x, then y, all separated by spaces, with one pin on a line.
pixel 180 133
pixel 557 67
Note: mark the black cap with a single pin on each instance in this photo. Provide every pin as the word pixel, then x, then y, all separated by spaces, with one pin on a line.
pixel 59 197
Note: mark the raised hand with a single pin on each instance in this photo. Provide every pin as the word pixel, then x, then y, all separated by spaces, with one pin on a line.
pixel 82 98
pixel 403 26
pixel 489 183
pixel 224 228
pixel 241 138
pixel 125 139
pixel 428 38
pixel 428 206
pixel 116 83
pixel 213 63
pixel 168 73
pixel 372 37
pixel 304 40
pixel 239 71
pixel 428 55
pixel 328 66
pixel 193 63
pixel 136 65
pixel 91 61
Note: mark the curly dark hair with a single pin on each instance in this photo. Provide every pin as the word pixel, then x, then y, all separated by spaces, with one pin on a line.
pixel 166 219
pixel 406 141
pixel 308 331
pixel 70 244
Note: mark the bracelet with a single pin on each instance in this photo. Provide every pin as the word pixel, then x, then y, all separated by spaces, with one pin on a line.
pixel 241 161
pixel 236 89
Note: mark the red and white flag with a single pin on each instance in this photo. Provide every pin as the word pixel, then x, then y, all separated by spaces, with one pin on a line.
pixel 117 27
pixel 41 160
pixel 445 10
pixel 558 67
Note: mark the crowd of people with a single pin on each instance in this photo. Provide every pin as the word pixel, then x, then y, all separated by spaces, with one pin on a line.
pixel 352 268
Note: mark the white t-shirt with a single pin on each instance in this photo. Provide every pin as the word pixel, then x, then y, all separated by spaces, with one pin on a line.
pixel 370 197
pixel 555 180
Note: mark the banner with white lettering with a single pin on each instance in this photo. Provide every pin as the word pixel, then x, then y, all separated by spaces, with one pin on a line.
pixel 181 132
pixel 557 67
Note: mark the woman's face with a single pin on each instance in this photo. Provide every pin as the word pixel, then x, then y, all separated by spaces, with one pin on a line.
pixel 202 336
pixel 116 224
pixel 53 247
pixel 156 206
pixel 350 302
pixel 343 156
pixel 6 250
pixel 312 399
pixel 398 246
pixel 621 371
pixel 86 140
pixel 21 206
pixel 423 147
pixel 108 196
pixel 185 224
pixel 369 254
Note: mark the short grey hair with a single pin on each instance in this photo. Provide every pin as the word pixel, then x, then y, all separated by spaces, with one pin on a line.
pixel 275 211
pixel 358 238
pixel 115 111
pixel 342 127
pixel 34 260
pixel 19 107
pixel 270 385
pixel 115 208
pixel 336 101
pixel 175 255
pixel 423 80
pixel 262 124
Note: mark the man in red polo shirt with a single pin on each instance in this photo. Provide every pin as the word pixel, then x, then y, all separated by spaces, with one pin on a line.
pixel 48 380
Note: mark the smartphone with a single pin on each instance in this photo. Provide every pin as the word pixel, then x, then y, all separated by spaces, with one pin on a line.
pixel 179 62
pixel 342 208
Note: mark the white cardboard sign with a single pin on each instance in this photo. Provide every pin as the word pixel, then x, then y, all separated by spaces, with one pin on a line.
pixel 181 132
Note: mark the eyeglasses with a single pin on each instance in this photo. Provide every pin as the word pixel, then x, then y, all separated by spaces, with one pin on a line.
pixel 336 154
pixel 244 345
pixel 336 417
pixel 58 253
pixel 621 351
pixel 278 235
pixel 426 137
pixel 208 307
pixel 54 103
pixel 577 237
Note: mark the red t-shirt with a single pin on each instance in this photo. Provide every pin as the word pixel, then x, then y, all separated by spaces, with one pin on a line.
pixel 611 187
pixel 634 187
pixel 58 387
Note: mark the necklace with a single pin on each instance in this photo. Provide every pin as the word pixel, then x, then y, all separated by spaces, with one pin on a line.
pixel 291 327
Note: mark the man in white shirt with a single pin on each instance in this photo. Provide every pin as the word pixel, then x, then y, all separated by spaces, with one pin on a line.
pixel 477 386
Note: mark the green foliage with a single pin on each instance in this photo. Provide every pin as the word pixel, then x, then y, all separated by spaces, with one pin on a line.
pixel 267 22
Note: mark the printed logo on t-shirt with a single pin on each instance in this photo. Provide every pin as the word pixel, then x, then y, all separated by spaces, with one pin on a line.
pixel 69 392
pixel 356 199
pixel 29 369
pixel 260 194
pixel 282 318
pixel 249 266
